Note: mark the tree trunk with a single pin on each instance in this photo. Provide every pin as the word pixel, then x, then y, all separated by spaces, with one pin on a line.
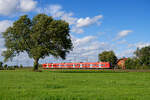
pixel 36 64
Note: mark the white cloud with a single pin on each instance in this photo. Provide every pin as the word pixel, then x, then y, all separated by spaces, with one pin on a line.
pixel 122 41
pixel 126 53
pixel 76 23
pixel 4 25
pixel 8 7
pixel 27 5
pixel 57 12
pixel 139 45
pixel 84 40
pixel 129 51
pixel 77 30
pixel 142 44
pixel 83 22
pixel 87 49
pixel 123 33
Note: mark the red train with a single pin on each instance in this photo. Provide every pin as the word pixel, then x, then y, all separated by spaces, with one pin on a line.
pixel 77 65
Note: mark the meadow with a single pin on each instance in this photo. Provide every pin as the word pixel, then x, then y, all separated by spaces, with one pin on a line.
pixel 74 85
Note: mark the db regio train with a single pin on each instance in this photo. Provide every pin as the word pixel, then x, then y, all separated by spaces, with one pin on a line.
pixel 82 65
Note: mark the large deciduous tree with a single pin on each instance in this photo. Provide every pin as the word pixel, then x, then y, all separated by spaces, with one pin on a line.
pixel 143 55
pixel 108 56
pixel 40 36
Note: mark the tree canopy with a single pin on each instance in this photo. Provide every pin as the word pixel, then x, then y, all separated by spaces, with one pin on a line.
pixel 108 56
pixel 40 36
pixel 143 55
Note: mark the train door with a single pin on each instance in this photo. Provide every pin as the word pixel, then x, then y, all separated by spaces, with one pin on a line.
pixel 51 65
pixel 77 65
pixel 80 65
pixel 47 65
pixel 91 65
pixel 99 65
pixel 73 65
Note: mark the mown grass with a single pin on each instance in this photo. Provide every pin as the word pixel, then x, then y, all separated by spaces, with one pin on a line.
pixel 74 85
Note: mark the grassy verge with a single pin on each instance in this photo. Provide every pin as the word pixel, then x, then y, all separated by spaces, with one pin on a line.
pixel 74 85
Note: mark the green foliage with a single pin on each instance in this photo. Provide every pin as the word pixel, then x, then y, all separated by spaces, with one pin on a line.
pixel 143 55
pixel 10 68
pixel 5 66
pixel 141 61
pixel 134 63
pixel 40 65
pixel 1 65
pixel 16 66
pixel 129 63
pixel 21 66
pixel 40 36
pixel 108 56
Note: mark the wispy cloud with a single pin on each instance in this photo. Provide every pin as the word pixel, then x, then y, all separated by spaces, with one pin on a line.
pixel 139 45
pixel 8 7
pixel 87 48
pixel 83 22
pixel 4 25
pixel 123 34
pixel 57 12
pixel 77 23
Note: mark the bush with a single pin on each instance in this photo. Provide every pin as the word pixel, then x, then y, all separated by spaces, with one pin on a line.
pixel 21 66
pixel 1 66
pixel 10 68
pixel 40 65
pixel 16 66
pixel 5 66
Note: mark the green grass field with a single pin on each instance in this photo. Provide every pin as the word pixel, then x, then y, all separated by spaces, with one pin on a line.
pixel 74 85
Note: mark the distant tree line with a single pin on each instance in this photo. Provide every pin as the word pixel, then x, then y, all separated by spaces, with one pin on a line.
pixel 140 61
pixel 6 67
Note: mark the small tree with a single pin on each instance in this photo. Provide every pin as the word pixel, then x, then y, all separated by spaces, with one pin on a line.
pixel 21 66
pixel 40 36
pixel 108 56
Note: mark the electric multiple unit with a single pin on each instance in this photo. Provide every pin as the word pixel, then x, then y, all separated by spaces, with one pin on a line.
pixel 86 65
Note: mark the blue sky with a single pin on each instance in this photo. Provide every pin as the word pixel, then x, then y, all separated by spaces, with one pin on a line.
pixel 96 25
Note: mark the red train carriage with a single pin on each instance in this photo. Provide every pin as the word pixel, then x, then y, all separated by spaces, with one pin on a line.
pixel 77 65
